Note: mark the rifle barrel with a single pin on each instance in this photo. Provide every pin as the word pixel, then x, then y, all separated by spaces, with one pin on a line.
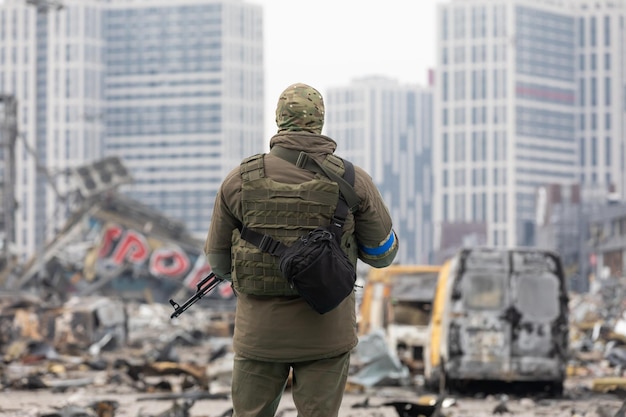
pixel 204 287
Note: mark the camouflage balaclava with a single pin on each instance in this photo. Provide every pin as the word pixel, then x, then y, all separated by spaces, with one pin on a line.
pixel 300 108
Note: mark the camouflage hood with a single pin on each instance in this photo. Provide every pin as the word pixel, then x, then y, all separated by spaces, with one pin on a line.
pixel 300 108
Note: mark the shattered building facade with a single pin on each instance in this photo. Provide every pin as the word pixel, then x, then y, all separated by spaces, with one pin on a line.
pixel 175 88
pixel 116 246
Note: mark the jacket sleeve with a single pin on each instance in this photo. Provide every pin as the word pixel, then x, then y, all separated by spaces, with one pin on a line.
pixel 217 247
pixel 376 239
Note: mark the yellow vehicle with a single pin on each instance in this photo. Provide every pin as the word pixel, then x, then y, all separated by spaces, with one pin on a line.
pixel 398 300
pixel 499 315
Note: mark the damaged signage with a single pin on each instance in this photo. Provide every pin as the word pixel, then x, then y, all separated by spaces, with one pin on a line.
pixel 115 246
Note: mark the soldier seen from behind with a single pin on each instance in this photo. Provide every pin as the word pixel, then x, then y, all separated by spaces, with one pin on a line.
pixel 276 331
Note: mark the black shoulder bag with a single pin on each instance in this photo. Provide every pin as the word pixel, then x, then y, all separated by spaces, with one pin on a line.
pixel 315 265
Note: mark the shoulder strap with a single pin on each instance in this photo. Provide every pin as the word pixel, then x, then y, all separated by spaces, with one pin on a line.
pixel 304 160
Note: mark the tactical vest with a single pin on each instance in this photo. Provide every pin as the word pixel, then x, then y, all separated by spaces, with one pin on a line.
pixel 285 212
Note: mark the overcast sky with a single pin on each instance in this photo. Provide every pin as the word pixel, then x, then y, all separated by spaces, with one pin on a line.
pixel 328 43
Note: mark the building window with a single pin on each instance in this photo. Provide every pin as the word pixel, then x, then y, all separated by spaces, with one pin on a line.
pixel 594 93
pixel 459 147
pixel 607 91
pixel 459 54
pixel 459 116
pixel 592 31
pixel 459 85
pixel 607 61
pixel 496 214
pixel 459 23
pixel 593 61
pixel 607 121
pixel 581 92
pixel 607 31
pixel 581 62
pixel 581 31
pixel 581 146
pixel 594 151
pixel 607 151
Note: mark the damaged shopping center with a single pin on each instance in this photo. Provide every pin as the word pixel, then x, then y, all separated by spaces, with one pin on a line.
pixel 92 310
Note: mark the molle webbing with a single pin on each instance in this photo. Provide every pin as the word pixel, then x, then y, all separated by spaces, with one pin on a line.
pixel 282 211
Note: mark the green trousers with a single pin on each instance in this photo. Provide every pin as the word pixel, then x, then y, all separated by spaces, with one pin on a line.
pixel 317 390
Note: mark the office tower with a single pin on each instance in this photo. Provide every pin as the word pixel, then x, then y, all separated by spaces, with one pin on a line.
pixel 184 92
pixel 386 128
pixel 505 113
pixel 601 79
pixel 173 88
pixel 50 62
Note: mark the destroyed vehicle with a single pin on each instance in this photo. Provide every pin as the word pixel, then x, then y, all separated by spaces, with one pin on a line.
pixel 91 323
pixel 81 325
pixel 398 300
pixel 499 315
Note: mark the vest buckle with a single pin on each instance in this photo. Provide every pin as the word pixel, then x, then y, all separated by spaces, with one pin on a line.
pixel 269 245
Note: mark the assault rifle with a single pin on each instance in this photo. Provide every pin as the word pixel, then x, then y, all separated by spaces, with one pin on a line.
pixel 203 288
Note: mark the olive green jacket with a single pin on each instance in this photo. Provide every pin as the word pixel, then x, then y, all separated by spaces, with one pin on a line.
pixel 286 328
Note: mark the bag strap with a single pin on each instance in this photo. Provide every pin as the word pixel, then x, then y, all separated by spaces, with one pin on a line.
pixel 274 247
pixel 303 160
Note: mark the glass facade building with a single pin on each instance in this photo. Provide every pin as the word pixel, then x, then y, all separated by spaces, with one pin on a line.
pixel 184 98
pixel 386 128
pixel 505 117
pixel 601 81
pixel 50 61
pixel 174 88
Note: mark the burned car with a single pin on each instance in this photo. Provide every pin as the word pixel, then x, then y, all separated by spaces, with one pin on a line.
pixel 499 315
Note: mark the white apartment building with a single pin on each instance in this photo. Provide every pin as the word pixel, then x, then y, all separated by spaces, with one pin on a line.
pixel 184 91
pixel 386 128
pixel 174 88
pixel 505 112
pixel 601 78
pixel 50 60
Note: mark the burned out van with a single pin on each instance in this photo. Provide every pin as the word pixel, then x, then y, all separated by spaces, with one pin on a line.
pixel 499 315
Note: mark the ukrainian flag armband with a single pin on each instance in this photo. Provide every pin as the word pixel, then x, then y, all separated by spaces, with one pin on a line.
pixel 381 255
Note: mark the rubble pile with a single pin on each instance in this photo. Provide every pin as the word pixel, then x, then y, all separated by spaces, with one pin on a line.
pixel 98 341
pixel 598 336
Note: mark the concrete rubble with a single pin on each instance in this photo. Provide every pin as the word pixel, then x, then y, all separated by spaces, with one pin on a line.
pixel 598 336
pixel 91 314
pixel 122 346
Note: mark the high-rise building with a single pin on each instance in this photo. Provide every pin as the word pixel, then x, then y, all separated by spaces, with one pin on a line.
pixel 505 112
pixel 601 82
pixel 50 61
pixel 528 93
pixel 174 88
pixel 386 128
pixel 184 92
